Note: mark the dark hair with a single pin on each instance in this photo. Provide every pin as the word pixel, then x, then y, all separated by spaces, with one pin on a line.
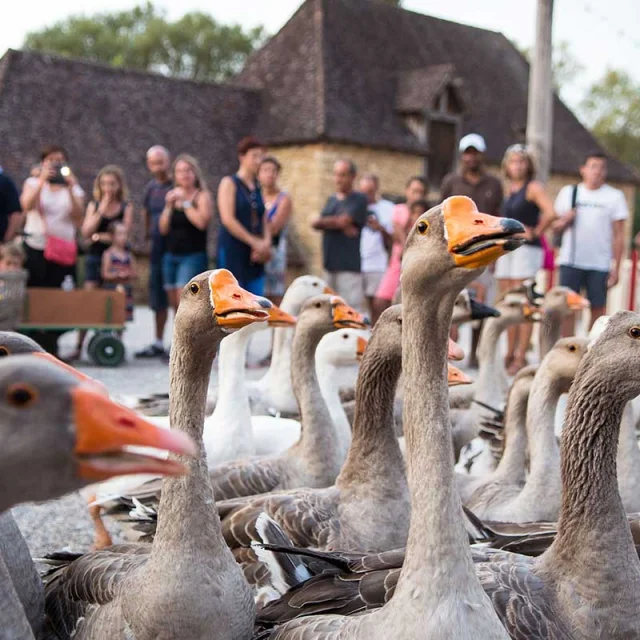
pixel 423 204
pixel 595 154
pixel 273 161
pixel 48 149
pixel 420 179
pixel 353 169
pixel 247 143
pixel 372 177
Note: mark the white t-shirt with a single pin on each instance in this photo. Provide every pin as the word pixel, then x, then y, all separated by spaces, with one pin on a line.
pixel 596 211
pixel 373 255
pixel 56 208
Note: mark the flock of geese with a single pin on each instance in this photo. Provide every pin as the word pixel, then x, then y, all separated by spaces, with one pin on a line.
pixel 418 506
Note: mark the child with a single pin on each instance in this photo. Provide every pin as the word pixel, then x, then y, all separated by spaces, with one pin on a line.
pixel 118 266
pixel 11 257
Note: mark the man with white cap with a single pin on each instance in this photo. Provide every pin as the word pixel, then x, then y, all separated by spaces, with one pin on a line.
pixel 485 190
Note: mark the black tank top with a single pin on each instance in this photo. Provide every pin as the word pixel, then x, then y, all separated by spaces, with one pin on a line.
pixel 517 206
pixel 184 237
pixel 98 248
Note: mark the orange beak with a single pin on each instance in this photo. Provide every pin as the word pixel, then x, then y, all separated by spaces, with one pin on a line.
pixel 233 307
pixel 532 313
pixel 455 351
pixel 78 374
pixel 329 290
pixel 280 318
pixel 362 345
pixel 344 316
pixel 576 302
pixel 477 239
pixel 456 377
pixel 104 428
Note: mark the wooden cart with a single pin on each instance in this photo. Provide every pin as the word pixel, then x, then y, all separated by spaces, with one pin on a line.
pixel 98 310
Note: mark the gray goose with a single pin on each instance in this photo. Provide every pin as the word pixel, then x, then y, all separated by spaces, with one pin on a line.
pixel 74 435
pixel 438 594
pixel 557 303
pixel 187 583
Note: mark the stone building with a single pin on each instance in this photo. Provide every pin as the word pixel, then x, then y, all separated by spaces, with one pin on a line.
pixel 392 89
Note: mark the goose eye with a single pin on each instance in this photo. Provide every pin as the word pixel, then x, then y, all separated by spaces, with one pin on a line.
pixel 422 227
pixel 634 332
pixel 194 287
pixel 4 351
pixel 572 347
pixel 317 305
pixel 315 284
pixel 400 321
pixel 345 336
pixel 21 395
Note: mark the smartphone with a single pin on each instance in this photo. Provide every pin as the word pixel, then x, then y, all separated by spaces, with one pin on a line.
pixel 61 172
pixel 372 214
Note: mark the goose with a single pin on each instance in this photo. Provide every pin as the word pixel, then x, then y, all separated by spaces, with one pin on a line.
pixel 499 498
pixel 557 303
pixel 437 595
pixel 368 506
pixel 273 392
pixel 74 435
pixel 187 583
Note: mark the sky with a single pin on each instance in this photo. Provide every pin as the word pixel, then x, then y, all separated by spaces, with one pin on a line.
pixel 600 34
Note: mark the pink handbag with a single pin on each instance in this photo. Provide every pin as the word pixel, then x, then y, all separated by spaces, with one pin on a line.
pixel 60 251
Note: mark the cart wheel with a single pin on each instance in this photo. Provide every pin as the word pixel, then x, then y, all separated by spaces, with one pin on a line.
pixel 106 350
pixel 92 341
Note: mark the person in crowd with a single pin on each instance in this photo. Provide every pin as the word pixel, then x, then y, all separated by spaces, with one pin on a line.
pixel 278 208
pixel 472 180
pixel 110 204
pixel 184 221
pixel 11 218
pixel 376 238
pixel 55 202
pixel 153 200
pixel 415 191
pixel 591 220
pixel 244 241
pixel 117 266
pixel 341 222
pixel 11 257
pixel 526 201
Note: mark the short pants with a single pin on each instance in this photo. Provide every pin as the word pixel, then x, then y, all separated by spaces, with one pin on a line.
pixel 594 282
pixel 178 269
pixel 92 268
pixel 521 264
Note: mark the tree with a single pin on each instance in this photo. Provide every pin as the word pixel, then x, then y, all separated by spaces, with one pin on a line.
pixel 195 46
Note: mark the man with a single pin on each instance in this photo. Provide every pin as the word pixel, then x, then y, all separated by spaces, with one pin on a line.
pixel 341 221
pixel 592 227
pixel 158 163
pixel 11 217
pixel 485 190
pixel 376 238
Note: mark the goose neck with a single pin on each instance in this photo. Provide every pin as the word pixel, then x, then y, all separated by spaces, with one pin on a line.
pixel 328 379
pixel 513 462
pixel 550 330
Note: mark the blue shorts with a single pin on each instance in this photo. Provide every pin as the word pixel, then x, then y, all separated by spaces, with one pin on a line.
pixel 593 282
pixel 92 268
pixel 158 300
pixel 177 270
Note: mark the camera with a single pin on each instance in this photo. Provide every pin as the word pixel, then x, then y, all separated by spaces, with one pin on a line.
pixel 61 172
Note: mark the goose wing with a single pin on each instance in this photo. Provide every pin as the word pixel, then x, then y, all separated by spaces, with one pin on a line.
pixel 246 477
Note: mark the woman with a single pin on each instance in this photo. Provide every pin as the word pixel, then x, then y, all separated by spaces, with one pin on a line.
pixel 527 202
pixel 244 243
pixel 55 204
pixel 184 221
pixel 278 210
pixel 415 190
pixel 109 205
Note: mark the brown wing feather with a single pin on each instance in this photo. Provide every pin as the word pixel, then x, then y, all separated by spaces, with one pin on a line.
pixel 246 477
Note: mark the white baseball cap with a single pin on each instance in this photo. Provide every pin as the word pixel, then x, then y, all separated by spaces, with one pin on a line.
pixel 474 140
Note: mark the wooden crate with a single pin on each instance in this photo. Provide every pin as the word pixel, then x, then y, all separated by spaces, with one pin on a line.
pixel 56 309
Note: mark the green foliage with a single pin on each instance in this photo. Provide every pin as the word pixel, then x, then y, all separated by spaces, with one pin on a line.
pixel 195 46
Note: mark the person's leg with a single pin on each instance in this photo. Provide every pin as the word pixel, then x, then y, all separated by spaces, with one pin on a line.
pixel 170 277
pixel 92 266
pixel 575 280
pixel 371 283
pixel 504 285
pixel 596 285
pixel 387 288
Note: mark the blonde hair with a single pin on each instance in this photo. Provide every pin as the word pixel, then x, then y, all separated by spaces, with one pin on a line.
pixel 12 250
pixel 195 167
pixel 521 150
pixel 111 170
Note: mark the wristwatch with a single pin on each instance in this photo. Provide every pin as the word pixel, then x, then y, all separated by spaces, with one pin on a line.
pixel 186 204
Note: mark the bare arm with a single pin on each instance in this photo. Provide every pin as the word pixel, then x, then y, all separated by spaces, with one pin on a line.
pixel 31 195
pixel 16 222
pixel 77 202
pixel 618 251
pixel 333 223
pixel 164 223
pixel 128 217
pixel 227 209
pixel 537 194
pixel 200 213
pixel 106 269
pixel 91 221
pixel 281 216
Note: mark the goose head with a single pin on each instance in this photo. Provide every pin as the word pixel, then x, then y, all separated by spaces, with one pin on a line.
pixel 467 308
pixel 327 313
pixel 456 377
pixel 563 360
pixel 341 348
pixel 516 308
pixel 459 241
pixel 562 300
pixel 60 433
pixel 301 289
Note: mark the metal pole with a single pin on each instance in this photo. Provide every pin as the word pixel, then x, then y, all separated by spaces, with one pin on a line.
pixel 540 107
